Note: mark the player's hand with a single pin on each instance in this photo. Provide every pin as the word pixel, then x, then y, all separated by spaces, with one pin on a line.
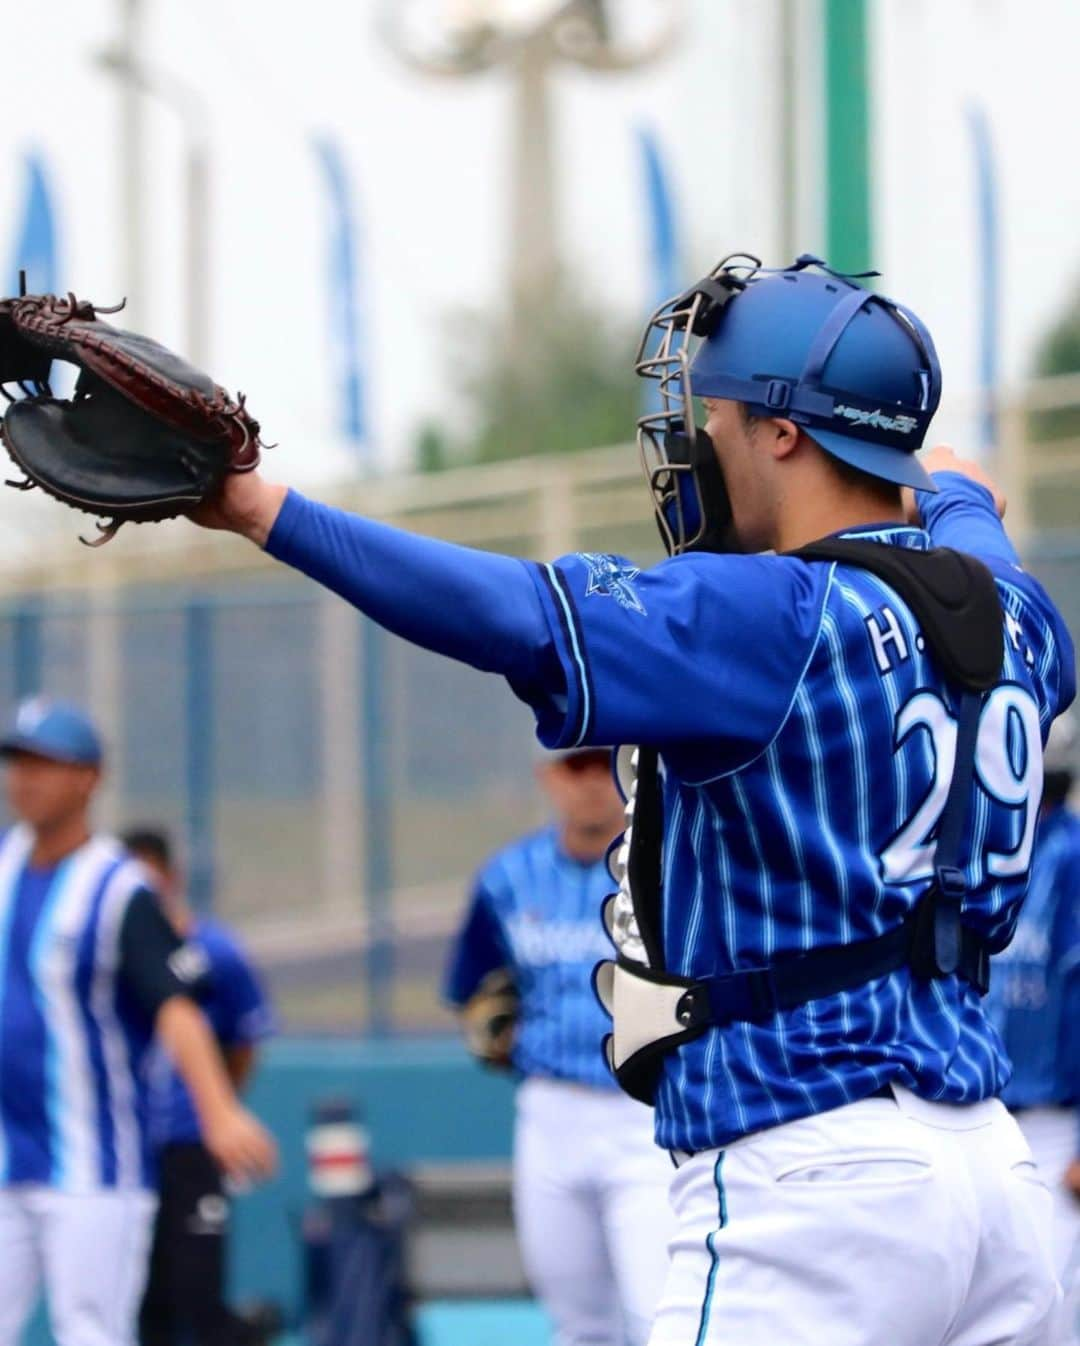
pixel 245 503
pixel 241 1145
pixel 1072 1178
pixel 943 458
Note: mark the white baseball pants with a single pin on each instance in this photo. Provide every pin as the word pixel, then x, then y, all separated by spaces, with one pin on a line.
pixel 591 1209
pixel 88 1251
pixel 889 1222
pixel 1052 1134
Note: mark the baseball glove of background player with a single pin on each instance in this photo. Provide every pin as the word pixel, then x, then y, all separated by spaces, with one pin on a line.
pixel 145 435
pixel 490 1018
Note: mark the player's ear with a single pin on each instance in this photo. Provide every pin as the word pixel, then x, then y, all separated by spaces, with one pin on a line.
pixel 88 780
pixel 781 436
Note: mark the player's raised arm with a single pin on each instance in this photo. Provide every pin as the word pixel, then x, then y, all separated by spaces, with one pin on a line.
pixel 475 606
pixel 967 510
pixel 966 513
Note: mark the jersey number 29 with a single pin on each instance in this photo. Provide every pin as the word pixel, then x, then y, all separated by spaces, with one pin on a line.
pixel 1008 768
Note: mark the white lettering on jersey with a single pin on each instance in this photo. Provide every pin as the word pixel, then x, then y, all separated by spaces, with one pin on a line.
pixel 884 631
pixel 537 942
pixel 1016 637
pixel 1008 767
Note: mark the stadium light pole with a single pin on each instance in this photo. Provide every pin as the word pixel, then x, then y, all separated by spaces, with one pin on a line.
pixel 138 79
pixel 132 260
pixel 848 214
pixel 463 38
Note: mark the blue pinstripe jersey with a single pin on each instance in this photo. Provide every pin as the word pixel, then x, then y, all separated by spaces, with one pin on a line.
pixel 72 1097
pixel 807 740
pixel 537 911
pixel 1035 990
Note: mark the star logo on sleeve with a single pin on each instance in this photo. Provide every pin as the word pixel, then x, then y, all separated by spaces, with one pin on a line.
pixel 613 578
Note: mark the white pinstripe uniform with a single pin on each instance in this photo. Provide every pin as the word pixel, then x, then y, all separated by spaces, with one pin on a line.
pixel 75 1197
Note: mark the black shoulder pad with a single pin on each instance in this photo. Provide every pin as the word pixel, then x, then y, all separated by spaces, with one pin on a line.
pixel 953 596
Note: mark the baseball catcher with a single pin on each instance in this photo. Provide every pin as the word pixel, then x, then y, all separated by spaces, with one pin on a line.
pixel 144 436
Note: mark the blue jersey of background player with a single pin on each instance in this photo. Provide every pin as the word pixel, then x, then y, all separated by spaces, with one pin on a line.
pixel 535 909
pixel 1035 993
pixel 590 1187
pixel 1035 1001
pixel 239 1014
pixel 231 995
pixel 184 1299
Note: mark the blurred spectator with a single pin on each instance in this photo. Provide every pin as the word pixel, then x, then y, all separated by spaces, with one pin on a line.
pixel 1035 997
pixel 590 1186
pixel 185 1293
pixel 91 971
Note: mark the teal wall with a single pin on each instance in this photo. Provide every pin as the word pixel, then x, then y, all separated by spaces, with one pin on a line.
pixel 422 1100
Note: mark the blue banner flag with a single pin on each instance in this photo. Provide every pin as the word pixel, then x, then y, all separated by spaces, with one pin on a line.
pixel 987 290
pixel 35 245
pixel 342 277
pixel 660 213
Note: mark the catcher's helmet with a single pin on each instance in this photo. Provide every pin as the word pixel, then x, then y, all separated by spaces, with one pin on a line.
pixel 858 372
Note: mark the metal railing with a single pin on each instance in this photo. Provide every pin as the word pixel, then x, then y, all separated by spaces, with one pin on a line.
pixel 334 786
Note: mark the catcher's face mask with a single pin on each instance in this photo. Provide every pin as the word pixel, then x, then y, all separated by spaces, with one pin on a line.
pixel 690 498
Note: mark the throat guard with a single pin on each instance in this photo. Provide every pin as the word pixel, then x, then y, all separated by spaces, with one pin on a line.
pixel 653 1011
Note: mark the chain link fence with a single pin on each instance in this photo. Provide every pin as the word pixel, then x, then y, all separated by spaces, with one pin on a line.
pixel 334 788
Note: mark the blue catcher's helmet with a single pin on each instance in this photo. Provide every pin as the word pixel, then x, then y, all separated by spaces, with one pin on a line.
pixel 858 372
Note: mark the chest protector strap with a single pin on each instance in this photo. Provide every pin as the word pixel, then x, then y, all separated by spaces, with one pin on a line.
pixel 954 599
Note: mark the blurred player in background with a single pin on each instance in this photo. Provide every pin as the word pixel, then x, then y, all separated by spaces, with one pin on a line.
pixel 1036 1003
pixel 185 1292
pixel 90 972
pixel 590 1186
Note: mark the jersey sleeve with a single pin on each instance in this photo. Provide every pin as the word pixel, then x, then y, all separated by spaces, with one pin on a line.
pixel 248 1016
pixel 962 516
pixel 479 948
pixel 470 605
pixel 699 648
pixel 155 964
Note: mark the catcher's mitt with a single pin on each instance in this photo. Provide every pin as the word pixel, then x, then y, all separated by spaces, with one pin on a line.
pixel 145 435
pixel 489 1018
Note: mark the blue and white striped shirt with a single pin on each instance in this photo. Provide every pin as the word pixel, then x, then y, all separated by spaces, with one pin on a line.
pixel 72 1037
pixel 1035 987
pixel 537 911
pixel 807 739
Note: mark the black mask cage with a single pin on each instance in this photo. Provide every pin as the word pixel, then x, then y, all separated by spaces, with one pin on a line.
pixel 690 500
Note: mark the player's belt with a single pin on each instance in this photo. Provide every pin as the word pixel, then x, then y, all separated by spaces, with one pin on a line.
pixel 758 993
pixel 654 1011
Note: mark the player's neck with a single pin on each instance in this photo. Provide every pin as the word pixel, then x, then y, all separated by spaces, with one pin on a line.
pixel 586 845
pixel 816 512
pixel 56 842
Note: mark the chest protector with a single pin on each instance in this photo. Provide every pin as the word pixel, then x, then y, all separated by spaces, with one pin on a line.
pixel 955 601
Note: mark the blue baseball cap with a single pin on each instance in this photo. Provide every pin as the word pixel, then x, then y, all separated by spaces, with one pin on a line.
pixel 857 371
pixel 57 730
